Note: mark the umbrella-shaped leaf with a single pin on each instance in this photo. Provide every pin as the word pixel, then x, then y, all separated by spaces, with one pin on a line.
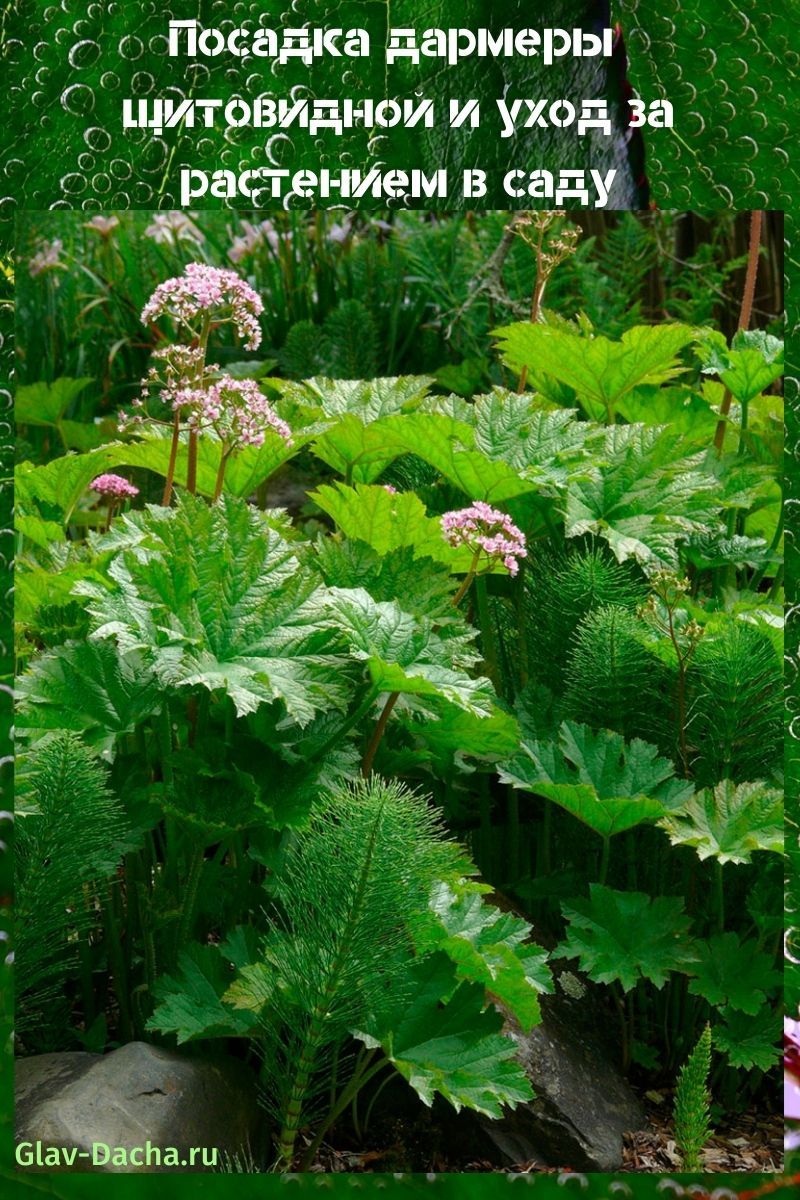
pixel 190 1003
pixel 735 973
pixel 355 443
pixel 608 783
pixel 627 936
pixel 407 654
pixel 216 598
pixel 749 1041
pixel 600 371
pixel 387 521
pixel 729 822
pixel 647 493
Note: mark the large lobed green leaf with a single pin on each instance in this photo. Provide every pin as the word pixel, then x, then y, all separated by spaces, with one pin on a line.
pixel 45 403
pixel 404 653
pixel 388 522
pixel 88 688
pixel 191 1003
pixel 454 1047
pixel 599 370
pixel 488 946
pixel 215 597
pixel 731 972
pixel 355 443
pixel 448 444
pixel 648 492
pixel 729 822
pixel 627 936
pixel 608 783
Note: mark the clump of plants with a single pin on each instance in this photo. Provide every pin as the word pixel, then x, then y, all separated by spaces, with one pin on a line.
pixel 525 640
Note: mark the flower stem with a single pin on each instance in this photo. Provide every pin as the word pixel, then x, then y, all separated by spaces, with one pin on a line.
pixel 467 581
pixel 488 640
pixel 191 466
pixel 173 455
pixel 223 462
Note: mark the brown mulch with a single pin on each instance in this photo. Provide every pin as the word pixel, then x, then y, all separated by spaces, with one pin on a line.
pixel 749 1142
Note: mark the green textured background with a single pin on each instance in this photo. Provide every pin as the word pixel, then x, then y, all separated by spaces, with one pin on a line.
pixel 730 67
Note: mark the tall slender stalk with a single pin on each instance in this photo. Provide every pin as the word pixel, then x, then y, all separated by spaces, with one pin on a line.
pixel 223 462
pixel 191 465
pixel 377 734
pixel 745 314
pixel 173 457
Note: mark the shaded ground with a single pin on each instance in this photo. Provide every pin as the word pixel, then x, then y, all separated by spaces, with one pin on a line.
pixel 749 1142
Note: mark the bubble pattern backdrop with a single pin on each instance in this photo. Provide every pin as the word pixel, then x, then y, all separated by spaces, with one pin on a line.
pixel 730 68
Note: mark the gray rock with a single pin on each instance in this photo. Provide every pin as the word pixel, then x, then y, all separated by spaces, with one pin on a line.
pixel 132 1097
pixel 582 1104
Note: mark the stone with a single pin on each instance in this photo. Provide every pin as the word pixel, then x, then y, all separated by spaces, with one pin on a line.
pixel 583 1104
pixel 136 1096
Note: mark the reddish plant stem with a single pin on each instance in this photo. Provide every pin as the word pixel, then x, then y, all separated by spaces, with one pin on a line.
pixel 223 462
pixel 745 315
pixel 375 740
pixel 191 466
pixel 173 456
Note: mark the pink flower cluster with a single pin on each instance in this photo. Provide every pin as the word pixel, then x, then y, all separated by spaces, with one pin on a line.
pixel 202 290
pixel 174 366
pixel 486 530
pixel 114 486
pixel 236 408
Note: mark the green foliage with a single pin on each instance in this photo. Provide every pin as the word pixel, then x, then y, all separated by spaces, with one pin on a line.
pixel 605 782
pixel 488 947
pixel 448 444
pixel 425 587
pixel 406 654
pixel 344 347
pixel 730 971
pixel 749 1042
pixel 238 667
pixel 707 551
pixel 612 271
pixel 599 371
pixel 358 410
pixel 625 937
pixel 340 961
pixel 191 1002
pixel 46 403
pixel 220 601
pixel 734 698
pixel 614 679
pixel 87 688
pixel 58 865
pixel 561 589
pixel 729 822
pixel 388 522
pixel 692 1103
pixel 651 492
pixel 456 1049
pixel 753 362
